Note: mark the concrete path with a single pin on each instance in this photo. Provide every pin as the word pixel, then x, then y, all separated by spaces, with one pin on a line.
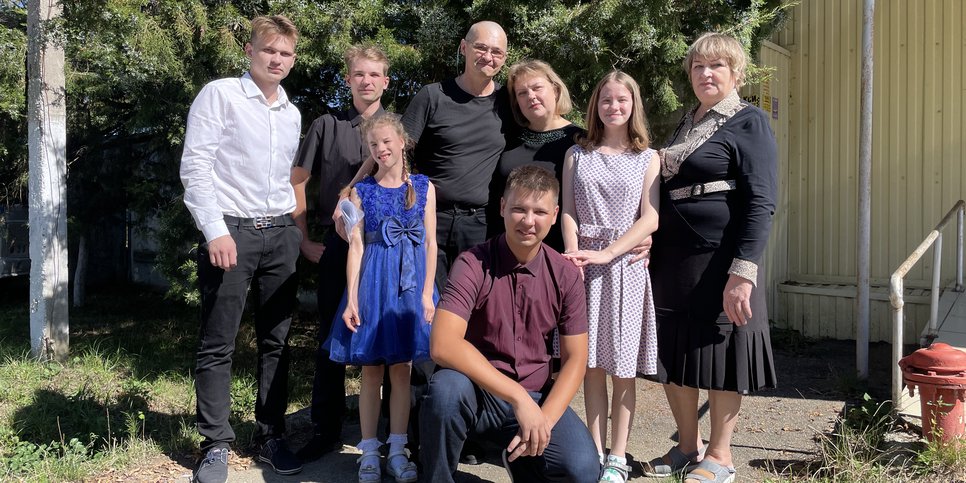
pixel 776 428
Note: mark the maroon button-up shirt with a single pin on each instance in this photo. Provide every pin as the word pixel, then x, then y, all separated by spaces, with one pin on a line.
pixel 511 309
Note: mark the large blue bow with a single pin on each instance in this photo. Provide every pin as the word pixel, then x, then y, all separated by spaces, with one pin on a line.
pixel 393 232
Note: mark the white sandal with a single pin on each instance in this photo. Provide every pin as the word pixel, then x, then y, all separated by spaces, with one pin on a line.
pixel 370 473
pixel 403 472
pixel 614 472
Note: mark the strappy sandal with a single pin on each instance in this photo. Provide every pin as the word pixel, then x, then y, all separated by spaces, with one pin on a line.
pixel 671 463
pixel 709 471
pixel 369 473
pixel 399 467
pixel 614 472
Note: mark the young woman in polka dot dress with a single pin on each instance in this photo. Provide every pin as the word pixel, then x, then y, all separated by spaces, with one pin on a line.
pixel 610 197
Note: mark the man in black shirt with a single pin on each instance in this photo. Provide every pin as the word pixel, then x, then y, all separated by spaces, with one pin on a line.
pixel 332 151
pixel 459 127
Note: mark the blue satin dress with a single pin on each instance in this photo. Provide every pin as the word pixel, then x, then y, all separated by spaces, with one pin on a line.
pixel 391 279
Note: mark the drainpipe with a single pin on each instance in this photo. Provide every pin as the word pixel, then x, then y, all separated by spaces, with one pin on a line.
pixel 864 238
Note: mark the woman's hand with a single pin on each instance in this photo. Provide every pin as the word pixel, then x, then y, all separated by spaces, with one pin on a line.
pixel 428 308
pixel 737 300
pixel 582 258
pixel 642 252
pixel 351 317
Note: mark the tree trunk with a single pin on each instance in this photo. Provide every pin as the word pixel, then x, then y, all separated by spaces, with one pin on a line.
pixel 80 272
pixel 47 143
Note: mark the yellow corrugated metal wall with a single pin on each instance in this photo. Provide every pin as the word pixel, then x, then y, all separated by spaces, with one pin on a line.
pixel 919 165
pixel 772 96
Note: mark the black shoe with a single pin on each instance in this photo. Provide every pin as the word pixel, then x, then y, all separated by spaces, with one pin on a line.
pixel 276 453
pixel 317 447
pixel 472 454
pixel 213 468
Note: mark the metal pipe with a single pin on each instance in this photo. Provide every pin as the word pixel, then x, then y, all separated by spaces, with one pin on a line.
pixel 937 260
pixel 895 295
pixel 959 249
pixel 864 236
pixel 896 282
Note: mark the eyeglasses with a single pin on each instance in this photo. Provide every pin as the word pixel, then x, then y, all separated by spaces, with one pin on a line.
pixel 481 49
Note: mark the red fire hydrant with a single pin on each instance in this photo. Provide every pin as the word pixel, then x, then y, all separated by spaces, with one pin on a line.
pixel 940 373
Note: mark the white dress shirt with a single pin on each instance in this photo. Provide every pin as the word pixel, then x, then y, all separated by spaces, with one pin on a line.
pixel 238 153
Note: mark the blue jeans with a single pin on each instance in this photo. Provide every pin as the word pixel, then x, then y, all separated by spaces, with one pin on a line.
pixel 456 407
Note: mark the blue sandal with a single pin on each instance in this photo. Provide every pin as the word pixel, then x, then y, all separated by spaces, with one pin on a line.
pixel 709 471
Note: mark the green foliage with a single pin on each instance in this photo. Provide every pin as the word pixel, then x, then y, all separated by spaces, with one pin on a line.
pixel 947 460
pixel 13 101
pixel 24 458
pixel 134 66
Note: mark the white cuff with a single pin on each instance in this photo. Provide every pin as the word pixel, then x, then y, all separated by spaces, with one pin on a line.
pixel 214 230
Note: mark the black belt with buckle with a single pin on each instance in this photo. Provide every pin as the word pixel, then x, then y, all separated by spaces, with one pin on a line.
pixel 260 222
pixel 458 208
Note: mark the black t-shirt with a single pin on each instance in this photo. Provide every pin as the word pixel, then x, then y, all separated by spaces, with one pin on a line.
pixel 459 138
pixel 332 151
pixel 531 148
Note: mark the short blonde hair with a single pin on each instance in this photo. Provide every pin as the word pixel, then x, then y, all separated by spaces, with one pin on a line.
pixel 368 52
pixel 713 45
pixel 540 68
pixel 263 25
pixel 637 128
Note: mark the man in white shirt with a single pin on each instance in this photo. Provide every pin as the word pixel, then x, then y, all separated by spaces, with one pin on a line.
pixel 242 136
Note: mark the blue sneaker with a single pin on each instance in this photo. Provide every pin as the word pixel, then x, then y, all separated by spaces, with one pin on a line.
pixel 213 468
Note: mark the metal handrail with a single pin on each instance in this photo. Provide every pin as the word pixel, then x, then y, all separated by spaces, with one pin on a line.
pixel 895 288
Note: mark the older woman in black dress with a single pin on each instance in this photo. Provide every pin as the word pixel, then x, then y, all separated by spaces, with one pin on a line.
pixel 718 191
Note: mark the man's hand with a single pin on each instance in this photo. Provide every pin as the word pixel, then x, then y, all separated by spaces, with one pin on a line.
pixel 737 300
pixel 642 252
pixel 534 434
pixel 312 251
pixel 222 252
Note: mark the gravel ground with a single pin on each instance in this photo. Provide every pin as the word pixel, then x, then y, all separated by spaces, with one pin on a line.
pixel 776 428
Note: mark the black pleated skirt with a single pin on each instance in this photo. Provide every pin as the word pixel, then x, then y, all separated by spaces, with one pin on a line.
pixel 697 345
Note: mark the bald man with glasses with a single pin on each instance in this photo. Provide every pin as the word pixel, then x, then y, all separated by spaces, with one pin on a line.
pixel 459 126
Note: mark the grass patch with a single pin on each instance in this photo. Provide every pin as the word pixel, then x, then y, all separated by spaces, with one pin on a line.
pixel 125 393
pixel 868 444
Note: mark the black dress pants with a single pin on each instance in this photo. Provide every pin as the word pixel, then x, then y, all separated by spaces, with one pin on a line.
pixel 328 386
pixel 266 263
pixel 457 230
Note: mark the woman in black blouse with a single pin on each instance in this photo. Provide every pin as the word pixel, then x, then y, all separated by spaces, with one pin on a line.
pixel 539 100
pixel 718 191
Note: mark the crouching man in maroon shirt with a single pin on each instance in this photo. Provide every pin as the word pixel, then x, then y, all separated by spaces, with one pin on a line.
pixel 492 338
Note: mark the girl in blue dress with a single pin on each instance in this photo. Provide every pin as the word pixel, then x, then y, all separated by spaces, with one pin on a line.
pixel 390 296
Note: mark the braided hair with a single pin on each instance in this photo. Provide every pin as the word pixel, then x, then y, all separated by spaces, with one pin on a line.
pixel 393 121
